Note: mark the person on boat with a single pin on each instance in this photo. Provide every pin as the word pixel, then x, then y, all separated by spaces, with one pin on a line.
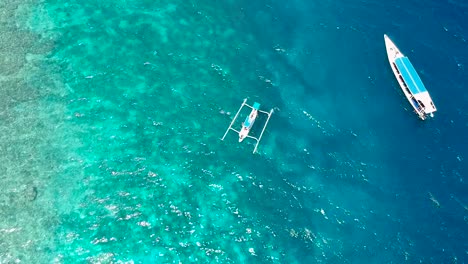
pixel 253 114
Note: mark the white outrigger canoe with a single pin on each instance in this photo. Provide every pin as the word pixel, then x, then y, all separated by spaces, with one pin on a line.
pixel 248 123
pixel 409 81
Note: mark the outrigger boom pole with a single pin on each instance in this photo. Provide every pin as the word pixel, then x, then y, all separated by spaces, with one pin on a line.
pixel 233 120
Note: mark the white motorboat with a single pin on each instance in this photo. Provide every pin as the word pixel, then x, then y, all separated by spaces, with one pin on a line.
pixel 409 81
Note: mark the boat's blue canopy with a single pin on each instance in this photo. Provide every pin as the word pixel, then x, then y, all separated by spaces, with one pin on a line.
pixel 410 75
pixel 247 121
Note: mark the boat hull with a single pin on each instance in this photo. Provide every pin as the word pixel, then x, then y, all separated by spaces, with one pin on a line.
pixel 247 125
pixel 243 133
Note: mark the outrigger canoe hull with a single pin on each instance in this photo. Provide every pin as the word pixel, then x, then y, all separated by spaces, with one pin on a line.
pixel 248 123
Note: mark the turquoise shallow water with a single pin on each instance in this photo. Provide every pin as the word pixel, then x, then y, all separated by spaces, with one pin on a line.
pixel 112 113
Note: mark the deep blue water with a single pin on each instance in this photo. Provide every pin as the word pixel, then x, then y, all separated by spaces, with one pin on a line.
pixel 335 54
pixel 128 101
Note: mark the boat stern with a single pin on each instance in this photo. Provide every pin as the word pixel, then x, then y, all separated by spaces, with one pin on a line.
pixel 243 133
pixel 425 103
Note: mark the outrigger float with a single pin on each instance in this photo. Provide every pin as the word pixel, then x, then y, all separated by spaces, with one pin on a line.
pixel 248 123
